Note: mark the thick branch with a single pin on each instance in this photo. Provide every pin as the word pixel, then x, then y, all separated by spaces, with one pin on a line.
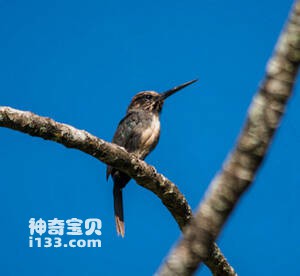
pixel 239 170
pixel 113 155
pixel 108 153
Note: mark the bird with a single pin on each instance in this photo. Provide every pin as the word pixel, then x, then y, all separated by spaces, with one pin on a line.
pixel 138 132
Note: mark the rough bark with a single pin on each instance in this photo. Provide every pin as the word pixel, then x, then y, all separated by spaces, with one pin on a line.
pixel 241 166
pixel 111 154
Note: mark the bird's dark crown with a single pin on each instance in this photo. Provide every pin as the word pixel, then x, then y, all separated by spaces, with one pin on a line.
pixel 150 101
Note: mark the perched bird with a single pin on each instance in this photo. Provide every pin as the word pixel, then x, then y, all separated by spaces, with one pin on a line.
pixel 138 132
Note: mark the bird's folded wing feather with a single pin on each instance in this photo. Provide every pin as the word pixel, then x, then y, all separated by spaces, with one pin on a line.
pixel 129 133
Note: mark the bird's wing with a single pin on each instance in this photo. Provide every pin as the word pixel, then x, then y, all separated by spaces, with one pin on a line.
pixel 129 131
pixel 127 134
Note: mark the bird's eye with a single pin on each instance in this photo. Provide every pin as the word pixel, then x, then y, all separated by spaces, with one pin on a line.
pixel 148 97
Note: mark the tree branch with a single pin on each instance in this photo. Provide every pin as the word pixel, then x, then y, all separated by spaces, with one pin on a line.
pixel 111 154
pixel 240 168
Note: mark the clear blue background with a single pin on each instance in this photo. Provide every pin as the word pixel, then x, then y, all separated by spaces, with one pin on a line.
pixel 80 62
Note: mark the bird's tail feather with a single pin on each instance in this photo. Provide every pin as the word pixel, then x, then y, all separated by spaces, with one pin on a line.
pixel 120 180
pixel 118 207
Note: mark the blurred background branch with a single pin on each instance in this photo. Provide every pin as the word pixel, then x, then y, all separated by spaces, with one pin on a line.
pixel 240 168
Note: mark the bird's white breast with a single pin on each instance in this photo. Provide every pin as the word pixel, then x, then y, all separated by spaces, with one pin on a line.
pixel 151 134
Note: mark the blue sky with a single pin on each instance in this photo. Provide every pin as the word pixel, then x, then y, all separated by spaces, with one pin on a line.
pixel 80 63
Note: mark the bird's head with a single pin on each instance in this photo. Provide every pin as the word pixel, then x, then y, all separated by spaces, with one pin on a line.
pixel 153 101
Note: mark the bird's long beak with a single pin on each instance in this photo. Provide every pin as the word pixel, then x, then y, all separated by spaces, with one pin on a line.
pixel 170 92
